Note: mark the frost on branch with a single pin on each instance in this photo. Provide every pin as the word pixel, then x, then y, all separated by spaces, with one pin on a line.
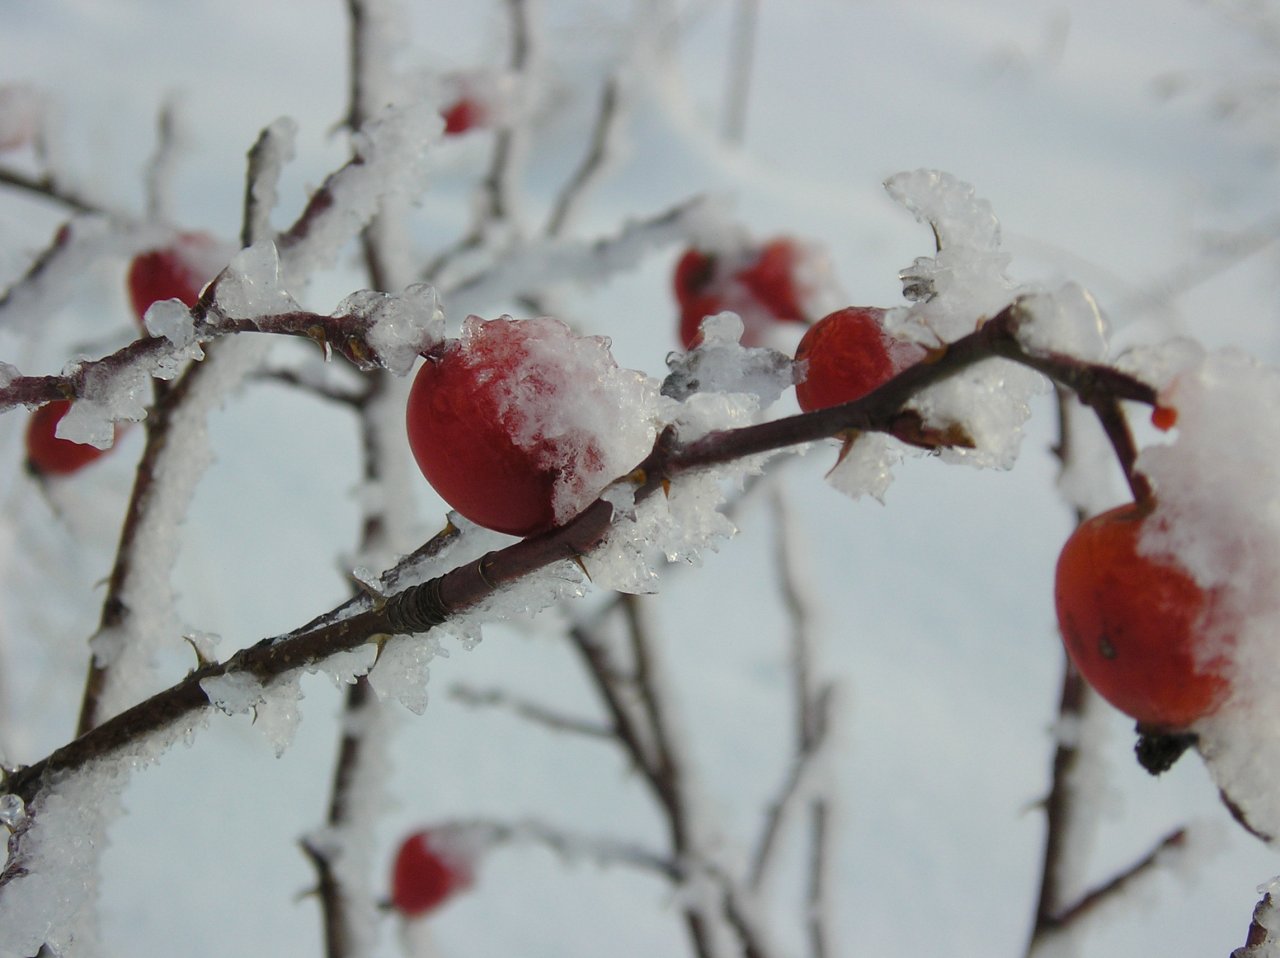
pixel 252 286
pixel 401 328
pixel 722 365
pixel 1217 491
pixel 955 290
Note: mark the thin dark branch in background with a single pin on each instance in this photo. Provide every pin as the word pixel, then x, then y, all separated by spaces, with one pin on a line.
pixel 742 45
pixel 49 188
pixel 530 711
pixel 592 164
pixel 159 167
pixel 1119 883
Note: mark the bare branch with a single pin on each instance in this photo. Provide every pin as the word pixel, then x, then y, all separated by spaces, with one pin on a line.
pixel 49 188
pixel 592 164
pixel 529 710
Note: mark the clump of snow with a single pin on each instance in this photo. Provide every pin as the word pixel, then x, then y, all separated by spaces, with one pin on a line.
pixel 955 291
pixel 107 398
pixel 252 285
pixel 866 466
pixel 274 706
pixel 401 328
pixel 13 811
pixel 401 671
pixel 1068 321
pixel 1217 489
pixel 8 373
pixel 170 319
pixel 722 364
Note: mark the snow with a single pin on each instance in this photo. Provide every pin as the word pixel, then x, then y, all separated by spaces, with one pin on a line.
pixel 1218 516
pixel 401 327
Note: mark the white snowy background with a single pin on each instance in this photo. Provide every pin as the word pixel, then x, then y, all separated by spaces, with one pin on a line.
pixel 1105 137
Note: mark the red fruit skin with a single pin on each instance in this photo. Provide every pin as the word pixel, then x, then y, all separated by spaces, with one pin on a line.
pixel 462 115
pixel 1133 624
pixel 846 355
pixel 761 290
pixel 771 279
pixel 167 273
pixel 462 440
pixel 425 875
pixel 48 455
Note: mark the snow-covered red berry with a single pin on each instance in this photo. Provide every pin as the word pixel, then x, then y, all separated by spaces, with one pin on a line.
pixel 846 355
pixel 429 869
pixel 520 424
pixel 48 455
pixel 178 271
pixel 1137 626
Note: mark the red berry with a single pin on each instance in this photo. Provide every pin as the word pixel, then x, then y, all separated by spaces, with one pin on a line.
pixel 1164 418
pixel 178 272
pixel 1136 625
pixel 429 869
pixel 507 428
pixel 462 115
pixel 771 277
pixel 49 455
pixel 760 285
pixel 847 354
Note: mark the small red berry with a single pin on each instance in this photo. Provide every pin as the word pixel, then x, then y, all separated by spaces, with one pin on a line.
pixel 462 115
pixel 1164 418
pixel 46 453
pixel 178 271
pixel 510 422
pixel 847 354
pixel 1135 625
pixel 429 869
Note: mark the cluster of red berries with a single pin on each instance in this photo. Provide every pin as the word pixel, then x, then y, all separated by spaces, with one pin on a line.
pixel 1135 625
pixel 761 284
pixel 173 272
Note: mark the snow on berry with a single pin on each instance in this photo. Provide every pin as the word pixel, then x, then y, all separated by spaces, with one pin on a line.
pixel 1217 486
pixel 520 424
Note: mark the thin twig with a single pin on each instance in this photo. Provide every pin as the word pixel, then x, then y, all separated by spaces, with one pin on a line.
pixel 530 711
pixel 592 164
pixel 49 188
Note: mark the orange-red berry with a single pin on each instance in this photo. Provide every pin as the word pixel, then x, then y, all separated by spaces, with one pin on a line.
pixel 846 355
pixel 1136 625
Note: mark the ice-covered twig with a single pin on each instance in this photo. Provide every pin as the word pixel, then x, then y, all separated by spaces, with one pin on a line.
pixel 529 710
pixel 267 157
